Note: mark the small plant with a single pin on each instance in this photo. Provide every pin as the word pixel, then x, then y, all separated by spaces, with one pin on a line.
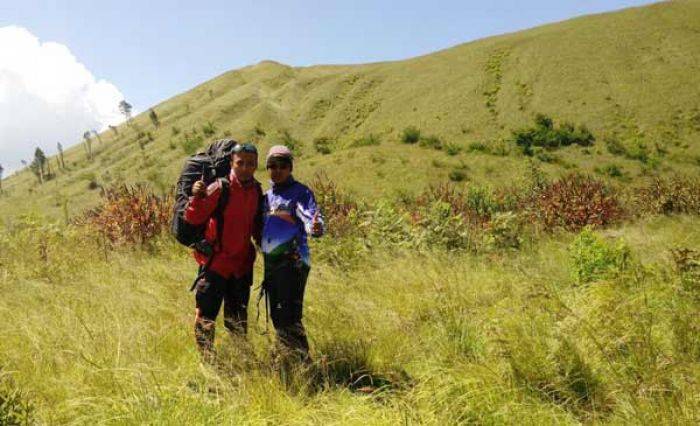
pixel 457 175
pixel 592 258
pixel 209 129
pixel 323 145
pixel 433 142
pixel 369 140
pixel 478 147
pixel 612 170
pixel 452 149
pixel 175 130
pixel 191 143
pixel 410 135
pixel 14 407
pixel 287 140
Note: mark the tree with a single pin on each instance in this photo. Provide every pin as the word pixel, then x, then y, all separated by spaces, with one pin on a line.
pixel 60 156
pixel 125 109
pixel 114 129
pixel 38 164
pixel 97 135
pixel 88 144
pixel 154 118
pixel 1 170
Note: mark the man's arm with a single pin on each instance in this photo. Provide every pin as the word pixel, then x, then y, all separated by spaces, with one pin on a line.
pixel 202 204
pixel 309 213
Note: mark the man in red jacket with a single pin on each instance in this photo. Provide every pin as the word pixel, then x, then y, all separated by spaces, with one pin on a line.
pixel 228 274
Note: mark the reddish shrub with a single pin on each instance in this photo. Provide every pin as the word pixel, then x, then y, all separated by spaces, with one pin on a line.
pixel 573 202
pixel 338 210
pixel 680 194
pixel 130 214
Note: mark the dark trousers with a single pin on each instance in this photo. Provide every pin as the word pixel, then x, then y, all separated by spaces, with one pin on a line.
pixel 284 285
pixel 213 290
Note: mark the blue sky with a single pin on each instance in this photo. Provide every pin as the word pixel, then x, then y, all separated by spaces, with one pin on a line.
pixel 152 50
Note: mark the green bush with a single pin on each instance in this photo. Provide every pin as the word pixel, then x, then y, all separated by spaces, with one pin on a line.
pixel 323 145
pixel 478 147
pixel 592 258
pixel 410 135
pixel 191 143
pixel 14 407
pixel 209 129
pixel 452 149
pixel 369 140
pixel 457 175
pixel 438 226
pixel 287 140
pixel 543 134
pixel 433 142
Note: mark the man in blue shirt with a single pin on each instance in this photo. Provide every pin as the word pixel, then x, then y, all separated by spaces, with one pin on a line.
pixel 290 215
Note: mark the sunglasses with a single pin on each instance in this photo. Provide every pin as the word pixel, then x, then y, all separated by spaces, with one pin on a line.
pixel 246 147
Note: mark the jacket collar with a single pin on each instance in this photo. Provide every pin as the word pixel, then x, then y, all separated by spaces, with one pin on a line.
pixel 284 185
pixel 233 181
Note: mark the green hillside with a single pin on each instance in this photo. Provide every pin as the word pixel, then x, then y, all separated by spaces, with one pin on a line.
pixel 631 76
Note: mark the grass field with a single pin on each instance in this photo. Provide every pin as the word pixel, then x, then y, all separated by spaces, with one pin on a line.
pixel 408 336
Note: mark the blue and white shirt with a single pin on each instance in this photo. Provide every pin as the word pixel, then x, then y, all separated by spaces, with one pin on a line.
pixel 289 210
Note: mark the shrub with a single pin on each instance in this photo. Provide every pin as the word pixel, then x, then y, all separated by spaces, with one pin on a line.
pixel 130 215
pixel 209 129
pixel 478 147
pixel 294 145
pixel 679 194
pixel 338 210
pixel 439 227
pixel 543 134
pixel 14 407
pixel 592 258
pixel 612 170
pixel 369 140
pixel 410 135
pixel 457 175
pixel 573 202
pixel 175 131
pixel 503 231
pixel 323 145
pixel 191 143
pixel 433 142
pixel 452 149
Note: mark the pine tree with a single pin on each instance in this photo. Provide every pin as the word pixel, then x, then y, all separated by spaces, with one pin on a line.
pixel 60 156
pixel 38 164
pixel 88 144
pixel 154 118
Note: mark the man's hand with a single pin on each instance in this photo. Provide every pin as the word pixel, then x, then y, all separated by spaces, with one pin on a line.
pixel 316 226
pixel 199 189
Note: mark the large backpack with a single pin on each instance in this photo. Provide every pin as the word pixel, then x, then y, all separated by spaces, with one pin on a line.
pixel 212 164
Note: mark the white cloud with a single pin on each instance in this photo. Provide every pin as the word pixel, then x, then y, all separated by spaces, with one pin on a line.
pixel 47 96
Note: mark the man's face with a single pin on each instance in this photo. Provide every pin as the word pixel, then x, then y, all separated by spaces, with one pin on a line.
pixel 279 171
pixel 244 165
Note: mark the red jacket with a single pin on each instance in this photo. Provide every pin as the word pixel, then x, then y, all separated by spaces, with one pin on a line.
pixel 242 221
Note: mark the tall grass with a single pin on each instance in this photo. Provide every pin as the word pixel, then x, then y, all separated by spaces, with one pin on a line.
pixel 411 336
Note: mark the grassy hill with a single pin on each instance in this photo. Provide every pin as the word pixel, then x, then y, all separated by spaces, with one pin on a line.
pixel 632 77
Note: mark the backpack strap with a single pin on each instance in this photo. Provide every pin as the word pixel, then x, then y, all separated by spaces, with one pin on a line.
pixel 219 211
